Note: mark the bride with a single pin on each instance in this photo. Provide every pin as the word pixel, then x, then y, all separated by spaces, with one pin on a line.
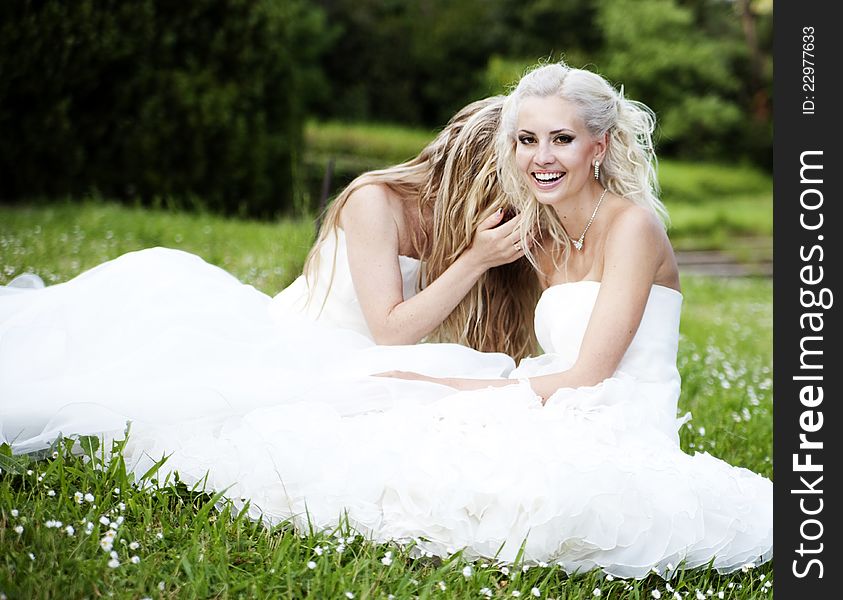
pixel 573 458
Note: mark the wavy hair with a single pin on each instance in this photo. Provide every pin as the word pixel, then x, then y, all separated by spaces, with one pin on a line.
pixel 455 178
pixel 628 168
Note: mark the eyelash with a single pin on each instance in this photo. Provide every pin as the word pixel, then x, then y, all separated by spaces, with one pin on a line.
pixel 562 139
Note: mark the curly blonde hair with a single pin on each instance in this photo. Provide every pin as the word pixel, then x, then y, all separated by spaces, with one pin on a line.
pixel 456 178
pixel 628 168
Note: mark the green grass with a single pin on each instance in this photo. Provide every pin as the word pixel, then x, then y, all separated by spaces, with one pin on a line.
pixel 374 142
pixel 61 240
pixel 188 546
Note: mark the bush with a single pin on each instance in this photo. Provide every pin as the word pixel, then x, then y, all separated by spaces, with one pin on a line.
pixel 156 99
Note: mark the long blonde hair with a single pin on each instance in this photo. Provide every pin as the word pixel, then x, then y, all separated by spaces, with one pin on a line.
pixel 628 168
pixel 456 178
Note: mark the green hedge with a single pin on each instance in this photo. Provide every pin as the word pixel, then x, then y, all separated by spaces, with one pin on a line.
pixel 180 100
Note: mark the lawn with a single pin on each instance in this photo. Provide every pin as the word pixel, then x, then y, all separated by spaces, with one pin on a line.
pixel 75 527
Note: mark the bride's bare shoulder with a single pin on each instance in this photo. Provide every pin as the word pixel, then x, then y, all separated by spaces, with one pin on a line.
pixel 635 224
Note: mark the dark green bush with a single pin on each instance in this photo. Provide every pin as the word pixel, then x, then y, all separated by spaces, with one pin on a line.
pixel 154 99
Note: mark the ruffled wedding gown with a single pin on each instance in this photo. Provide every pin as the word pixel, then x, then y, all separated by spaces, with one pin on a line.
pixel 595 478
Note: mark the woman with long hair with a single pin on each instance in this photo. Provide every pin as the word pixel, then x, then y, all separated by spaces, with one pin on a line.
pixel 435 223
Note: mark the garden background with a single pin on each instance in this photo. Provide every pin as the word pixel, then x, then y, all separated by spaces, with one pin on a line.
pixel 210 125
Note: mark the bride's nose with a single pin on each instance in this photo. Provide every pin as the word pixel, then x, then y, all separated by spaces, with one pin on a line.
pixel 543 155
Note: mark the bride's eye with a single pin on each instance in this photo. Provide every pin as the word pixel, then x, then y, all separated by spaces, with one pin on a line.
pixel 563 139
pixel 525 139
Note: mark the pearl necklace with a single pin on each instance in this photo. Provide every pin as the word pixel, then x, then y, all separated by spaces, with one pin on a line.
pixel 578 243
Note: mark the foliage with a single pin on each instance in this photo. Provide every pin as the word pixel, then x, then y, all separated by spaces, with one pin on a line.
pixel 703 65
pixel 198 100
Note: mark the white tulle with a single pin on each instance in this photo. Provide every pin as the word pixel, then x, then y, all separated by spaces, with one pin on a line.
pixel 283 413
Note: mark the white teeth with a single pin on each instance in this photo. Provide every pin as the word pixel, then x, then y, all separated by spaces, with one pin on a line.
pixel 547 176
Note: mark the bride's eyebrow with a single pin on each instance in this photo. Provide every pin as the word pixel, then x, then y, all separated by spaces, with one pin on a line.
pixel 554 132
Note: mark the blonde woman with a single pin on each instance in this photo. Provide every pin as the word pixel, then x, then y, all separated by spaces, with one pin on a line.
pixel 434 224
pixel 599 407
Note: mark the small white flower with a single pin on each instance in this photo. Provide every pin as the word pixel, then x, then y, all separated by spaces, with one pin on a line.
pixel 387 559
pixel 318 551
pixel 29 471
pixel 609 577
pixel 525 568
pixel 114 563
pixel 656 594
pixel 442 586
pixel 516 593
pixel 768 584
pixel 700 595
pixel 55 454
pixel 762 577
pixel 134 546
pixel 113 554
pixel 161 586
pixel 668 587
pixel 40 478
pixel 135 559
pixel 116 491
pixel 14 512
pixel 78 497
pixel 701 430
pixel 536 592
pixel 467 571
pixel 51 493
pixel 721 594
pixel 597 592
pixel 121 506
pixel 159 535
pixel 89 497
pixel 505 570
pixel 104 520
pixel 31 556
pixel 677 596
pixel 69 530
pixel 349 595
pixel 311 565
pixel 486 592
pixel 19 529
pixel 542 564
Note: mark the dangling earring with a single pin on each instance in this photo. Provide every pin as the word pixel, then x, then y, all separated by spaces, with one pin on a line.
pixel 597 169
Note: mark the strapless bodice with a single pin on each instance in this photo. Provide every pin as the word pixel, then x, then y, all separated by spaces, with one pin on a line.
pixel 563 312
pixel 333 301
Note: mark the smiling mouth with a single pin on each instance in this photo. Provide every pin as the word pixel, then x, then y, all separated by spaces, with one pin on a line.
pixel 547 178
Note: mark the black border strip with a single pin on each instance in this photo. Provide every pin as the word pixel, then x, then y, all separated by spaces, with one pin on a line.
pixel 806 250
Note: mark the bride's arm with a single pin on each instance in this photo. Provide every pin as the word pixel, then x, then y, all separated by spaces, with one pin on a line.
pixel 633 252
pixel 372 241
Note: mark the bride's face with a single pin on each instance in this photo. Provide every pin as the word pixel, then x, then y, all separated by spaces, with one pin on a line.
pixel 554 151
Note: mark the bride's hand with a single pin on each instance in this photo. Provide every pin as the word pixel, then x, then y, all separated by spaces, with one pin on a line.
pixel 412 376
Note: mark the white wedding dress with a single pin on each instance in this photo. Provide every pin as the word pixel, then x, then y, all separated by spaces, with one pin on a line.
pixel 283 415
